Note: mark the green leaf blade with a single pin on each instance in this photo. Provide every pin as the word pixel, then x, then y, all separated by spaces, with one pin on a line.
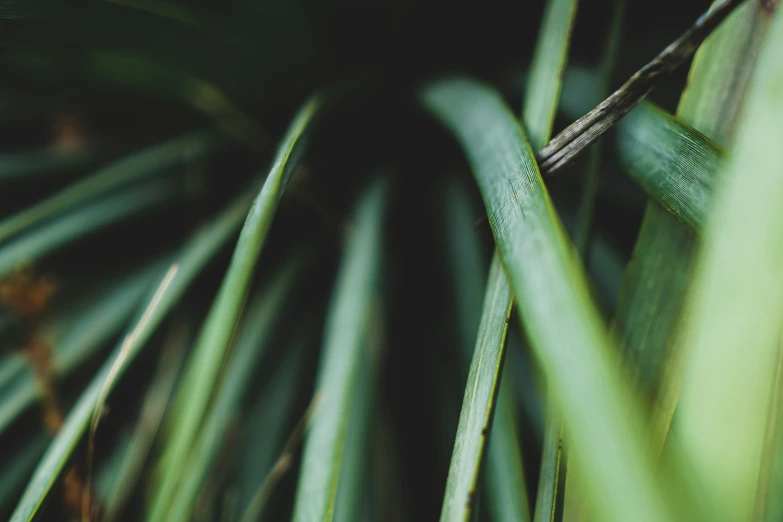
pixel 505 483
pixel 656 283
pixel 554 303
pixel 254 339
pixel 124 171
pixel 82 221
pixel 189 263
pixel 545 82
pixel 735 314
pixel 345 336
pixel 674 163
pixel 212 345
pixel 479 401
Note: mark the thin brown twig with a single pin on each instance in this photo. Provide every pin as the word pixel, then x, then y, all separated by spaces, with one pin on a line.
pixel 586 130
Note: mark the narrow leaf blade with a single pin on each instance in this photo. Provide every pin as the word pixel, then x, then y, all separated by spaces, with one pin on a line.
pixel 209 353
pixel 344 338
pixel 481 391
pixel 554 302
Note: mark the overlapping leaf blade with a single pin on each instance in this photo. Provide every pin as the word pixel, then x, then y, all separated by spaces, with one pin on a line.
pixel 187 265
pixel 213 343
pixel 674 163
pixel 656 281
pixel 560 319
pixel 508 495
pixel 85 335
pixel 734 316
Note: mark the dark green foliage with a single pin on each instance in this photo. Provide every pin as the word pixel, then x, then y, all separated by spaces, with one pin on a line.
pixel 281 215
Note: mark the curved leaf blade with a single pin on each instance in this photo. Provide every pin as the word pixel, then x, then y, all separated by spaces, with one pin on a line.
pixel 209 353
pixel 674 163
pixel 554 302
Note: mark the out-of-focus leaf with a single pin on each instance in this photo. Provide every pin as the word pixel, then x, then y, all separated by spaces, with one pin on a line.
pixel 265 423
pixel 126 475
pixel 125 171
pixel 86 334
pixel 187 265
pixel 734 317
pixel 82 221
pixel 37 163
pixel 345 338
pixel 17 470
pixel 355 487
pixel 545 81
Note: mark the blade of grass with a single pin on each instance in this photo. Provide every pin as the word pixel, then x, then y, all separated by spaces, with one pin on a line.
pixel 545 81
pixel 674 163
pixel 17 471
pixel 735 313
pixel 560 320
pixel 354 490
pixel 207 358
pixel 344 339
pixel 188 264
pixel 505 478
pixel 82 221
pixel 539 108
pixel 255 336
pixel 606 69
pixel 542 95
pixel 88 332
pixel 125 171
pixel 769 504
pixel 478 404
pixel 41 162
pixel 551 482
pixel 655 283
